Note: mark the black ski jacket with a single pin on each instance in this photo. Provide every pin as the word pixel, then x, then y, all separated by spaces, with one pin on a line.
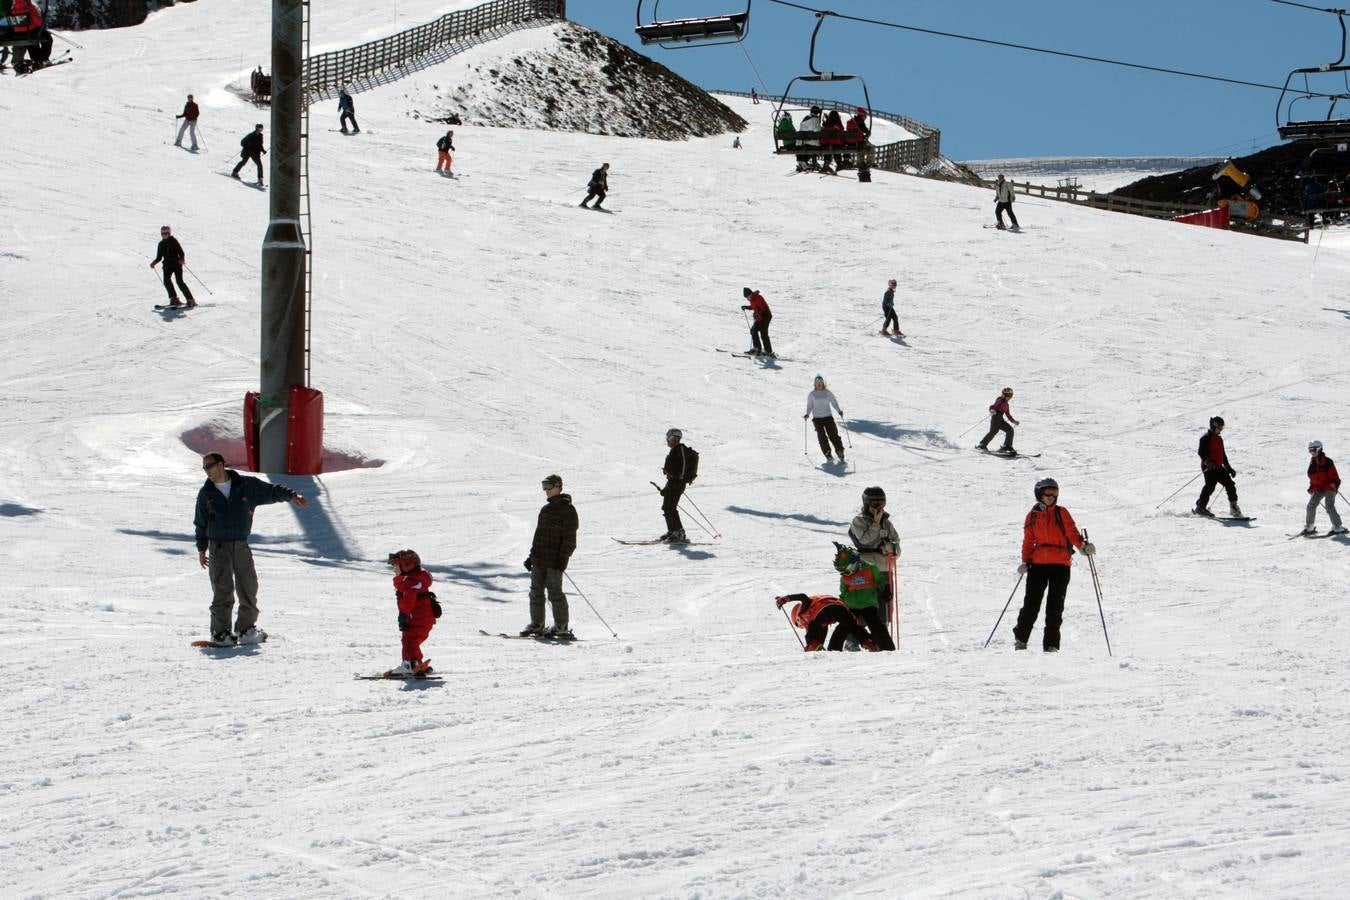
pixel 555 537
pixel 252 145
pixel 676 465
pixel 170 251
pixel 599 179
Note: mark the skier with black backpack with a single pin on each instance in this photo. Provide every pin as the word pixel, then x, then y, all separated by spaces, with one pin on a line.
pixel 680 469
pixel 418 611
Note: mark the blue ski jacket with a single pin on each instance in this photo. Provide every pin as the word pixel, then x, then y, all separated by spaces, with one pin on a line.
pixel 219 518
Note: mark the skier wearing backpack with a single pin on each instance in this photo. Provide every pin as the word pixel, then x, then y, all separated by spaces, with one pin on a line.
pixel 417 613
pixel 251 148
pixel 759 332
pixel 1214 463
pixel 681 468
pixel 555 538
pixel 1323 485
pixel 1048 538
pixel 818 403
pixel 1000 416
pixel 877 540
pixel 444 148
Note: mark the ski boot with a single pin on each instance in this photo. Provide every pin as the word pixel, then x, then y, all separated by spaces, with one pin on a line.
pixel 1339 529
pixel 1019 645
pixel 224 639
pixel 421 668
pixel 560 633
pixel 531 630
pixel 1235 511
pixel 1202 511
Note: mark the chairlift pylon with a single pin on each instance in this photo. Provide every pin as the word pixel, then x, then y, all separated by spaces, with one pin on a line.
pixel 676 34
pixel 1328 127
pixel 791 142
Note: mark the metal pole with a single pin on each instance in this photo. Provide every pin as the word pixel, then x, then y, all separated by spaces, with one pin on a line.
pixel 895 598
pixel 612 632
pixel 1005 609
pixel 715 532
pixel 793 627
pixel 1180 489
pixel 282 356
pixel 199 281
pixel 967 431
pixel 1097 587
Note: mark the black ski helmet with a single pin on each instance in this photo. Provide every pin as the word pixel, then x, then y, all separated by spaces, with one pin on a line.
pixel 674 433
pixel 1045 483
pixel 1217 420
pixel 873 493
pixel 552 481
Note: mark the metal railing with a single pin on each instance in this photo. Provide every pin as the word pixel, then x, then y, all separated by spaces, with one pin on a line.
pixel 375 61
pixel 920 152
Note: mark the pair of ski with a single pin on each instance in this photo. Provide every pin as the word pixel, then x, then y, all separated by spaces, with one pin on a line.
pixel 1315 535
pixel 1013 455
pixel 174 307
pixel 655 541
pixel 762 356
pixel 543 637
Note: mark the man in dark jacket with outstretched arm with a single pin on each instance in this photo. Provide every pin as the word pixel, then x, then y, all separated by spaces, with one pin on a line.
pixel 224 520
pixel 555 537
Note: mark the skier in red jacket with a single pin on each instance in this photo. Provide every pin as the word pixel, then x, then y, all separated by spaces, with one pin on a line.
pixel 417 612
pixel 1049 535
pixel 760 330
pixel 1214 463
pixel 26 24
pixel 1323 484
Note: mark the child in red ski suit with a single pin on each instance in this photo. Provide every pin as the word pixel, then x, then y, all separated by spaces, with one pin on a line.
pixel 417 612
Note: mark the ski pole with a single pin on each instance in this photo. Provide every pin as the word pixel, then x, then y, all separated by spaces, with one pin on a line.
pixel 1005 609
pixel 1180 489
pixel 715 532
pixel 968 430
pixel 872 324
pixel 1097 587
pixel 66 39
pixel 804 431
pixel 793 627
pixel 686 511
pixel 895 597
pixel 612 632
pixel 847 434
pixel 199 281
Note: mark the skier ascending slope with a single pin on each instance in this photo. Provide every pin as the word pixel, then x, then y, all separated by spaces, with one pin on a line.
pixel 1048 536
pixel 1214 463
pixel 1000 416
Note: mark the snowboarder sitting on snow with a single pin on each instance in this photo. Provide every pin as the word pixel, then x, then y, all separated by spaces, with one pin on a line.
pixel 815 614
pixel 818 404
pixel 555 538
pixel 1214 463
pixel 760 330
pixel 598 186
pixel 1048 537
pixel 1323 484
pixel 858 581
pixel 417 612
pixel 444 148
pixel 1000 416
pixel 171 253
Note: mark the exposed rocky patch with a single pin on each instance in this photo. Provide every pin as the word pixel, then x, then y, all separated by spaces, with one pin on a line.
pixel 579 80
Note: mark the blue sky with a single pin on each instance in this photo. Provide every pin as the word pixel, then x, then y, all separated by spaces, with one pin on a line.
pixel 994 102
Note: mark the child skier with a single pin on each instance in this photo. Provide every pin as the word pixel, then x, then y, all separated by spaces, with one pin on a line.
pixel 1000 414
pixel 1323 485
pixel 417 612
pixel 815 614
pixel 858 582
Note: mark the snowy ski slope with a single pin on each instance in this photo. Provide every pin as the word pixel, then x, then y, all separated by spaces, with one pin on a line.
pixel 477 334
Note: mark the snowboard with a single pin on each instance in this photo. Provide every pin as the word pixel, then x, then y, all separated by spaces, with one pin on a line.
pixel 388 677
pixel 541 638
pixel 656 541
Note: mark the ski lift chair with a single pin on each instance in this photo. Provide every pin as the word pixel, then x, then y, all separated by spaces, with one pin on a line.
pixel 793 143
pixel 261 86
pixel 1326 128
pixel 706 30
pixel 31 45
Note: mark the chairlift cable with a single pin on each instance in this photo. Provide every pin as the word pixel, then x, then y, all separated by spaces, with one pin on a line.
pixel 1061 53
pixel 764 86
pixel 1337 12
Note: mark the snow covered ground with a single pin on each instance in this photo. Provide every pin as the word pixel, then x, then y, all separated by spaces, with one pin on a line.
pixel 478 334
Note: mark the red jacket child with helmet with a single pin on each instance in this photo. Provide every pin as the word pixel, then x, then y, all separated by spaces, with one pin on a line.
pixel 417 611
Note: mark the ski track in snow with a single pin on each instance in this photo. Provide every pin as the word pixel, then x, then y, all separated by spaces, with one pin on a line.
pixel 477 335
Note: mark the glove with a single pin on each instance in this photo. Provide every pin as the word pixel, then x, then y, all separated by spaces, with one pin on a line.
pixel 780 601
pixel 1022 569
pixel 404 621
pixel 1088 548
pixel 1232 473
pixel 745 307
pixel 529 564
pixel 806 415
pixel 152 265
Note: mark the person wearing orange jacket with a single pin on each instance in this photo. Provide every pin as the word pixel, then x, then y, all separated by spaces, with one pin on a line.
pixel 760 330
pixel 417 612
pixel 1324 482
pixel 815 614
pixel 1048 538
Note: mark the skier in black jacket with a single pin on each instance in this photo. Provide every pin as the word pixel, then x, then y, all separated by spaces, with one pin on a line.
pixel 677 471
pixel 598 187
pixel 171 253
pixel 251 148
pixel 555 538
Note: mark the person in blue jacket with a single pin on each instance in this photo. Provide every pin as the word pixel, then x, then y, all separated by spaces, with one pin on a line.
pixel 347 111
pixel 224 520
